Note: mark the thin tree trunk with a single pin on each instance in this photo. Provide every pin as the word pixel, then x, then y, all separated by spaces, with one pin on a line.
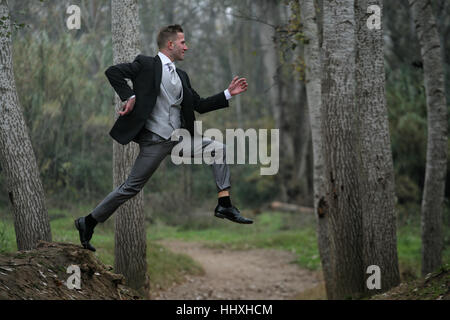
pixel 17 157
pixel 436 166
pixel 235 66
pixel 314 93
pixel 377 185
pixel 130 237
pixel 267 35
pixel 300 121
pixel 287 103
pixel 269 11
pixel 341 150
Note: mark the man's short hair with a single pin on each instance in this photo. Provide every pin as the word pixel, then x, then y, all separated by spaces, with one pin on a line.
pixel 168 33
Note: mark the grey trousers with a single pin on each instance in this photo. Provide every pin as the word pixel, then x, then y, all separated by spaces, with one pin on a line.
pixel 153 149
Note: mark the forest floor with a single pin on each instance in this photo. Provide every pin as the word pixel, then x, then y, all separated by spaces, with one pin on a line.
pixel 253 274
pixel 277 258
pixel 44 274
pixel 434 286
pixel 272 274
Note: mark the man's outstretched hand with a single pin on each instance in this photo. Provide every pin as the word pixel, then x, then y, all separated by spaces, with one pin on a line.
pixel 128 107
pixel 237 86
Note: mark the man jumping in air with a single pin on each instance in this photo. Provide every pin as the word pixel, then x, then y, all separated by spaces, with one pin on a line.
pixel 160 102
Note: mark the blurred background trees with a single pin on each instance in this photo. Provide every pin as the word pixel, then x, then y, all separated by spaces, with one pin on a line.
pixel 68 103
pixel 23 184
pixel 68 106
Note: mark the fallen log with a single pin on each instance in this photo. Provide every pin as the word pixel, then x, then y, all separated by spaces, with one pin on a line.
pixel 290 207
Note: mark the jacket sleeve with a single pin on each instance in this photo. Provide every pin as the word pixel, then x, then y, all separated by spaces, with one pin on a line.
pixel 203 105
pixel 118 74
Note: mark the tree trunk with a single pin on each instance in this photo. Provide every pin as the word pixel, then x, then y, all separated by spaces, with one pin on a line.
pixel 436 166
pixel 341 149
pixel 299 117
pixel 235 64
pixel 268 10
pixel 314 93
pixel 17 157
pixel 130 237
pixel 234 68
pixel 377 185
pixel 288 103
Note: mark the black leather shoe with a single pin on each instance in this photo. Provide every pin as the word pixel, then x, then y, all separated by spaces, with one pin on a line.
pixel 232 214
pixel 85 233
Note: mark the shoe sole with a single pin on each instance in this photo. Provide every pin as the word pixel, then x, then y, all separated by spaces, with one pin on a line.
pixel 219 215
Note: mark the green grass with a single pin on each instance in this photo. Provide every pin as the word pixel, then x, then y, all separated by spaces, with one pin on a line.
pixel 7 237
pixel 275 230
pixel 164 267
pixel 293 232
pixel 409 251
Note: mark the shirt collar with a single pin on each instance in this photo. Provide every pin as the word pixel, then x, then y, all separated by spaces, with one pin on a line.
pixel 164 59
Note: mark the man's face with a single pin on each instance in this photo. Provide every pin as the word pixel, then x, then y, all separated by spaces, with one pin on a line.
pixel 178 47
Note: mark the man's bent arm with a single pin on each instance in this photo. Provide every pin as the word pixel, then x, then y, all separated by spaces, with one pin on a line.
pixel 118 74
pixel 215 102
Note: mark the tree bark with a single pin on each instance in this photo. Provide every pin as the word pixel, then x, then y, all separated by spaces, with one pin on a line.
pixel 436 166
pixel 314 94
pixel 341 149
pixel 17 157
pixel 130 236
pixel 269 11
pixel 377 183
pixel 288 104
pixel 235 64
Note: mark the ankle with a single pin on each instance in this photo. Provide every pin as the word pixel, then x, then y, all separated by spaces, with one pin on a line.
pixel 90 221
pixel 224 193
pixel 225 202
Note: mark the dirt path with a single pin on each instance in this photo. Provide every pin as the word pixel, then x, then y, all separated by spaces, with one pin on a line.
pixel 257 274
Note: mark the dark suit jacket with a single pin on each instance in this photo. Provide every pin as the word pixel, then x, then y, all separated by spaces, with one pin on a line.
pixel 145 73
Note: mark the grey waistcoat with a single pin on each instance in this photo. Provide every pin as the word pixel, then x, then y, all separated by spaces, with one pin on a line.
pixel 166 115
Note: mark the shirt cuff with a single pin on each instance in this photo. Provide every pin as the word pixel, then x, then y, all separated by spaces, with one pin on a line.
pixel 133 96
pixel 227 94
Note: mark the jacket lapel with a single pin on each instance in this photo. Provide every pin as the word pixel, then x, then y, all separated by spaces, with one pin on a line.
pixel 158 74
pixel 183 80
pixel 185 87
